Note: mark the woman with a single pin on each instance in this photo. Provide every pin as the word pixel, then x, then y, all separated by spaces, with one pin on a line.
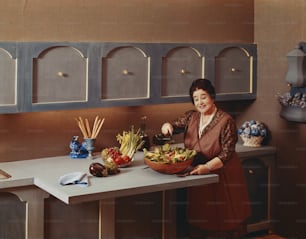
pixel 217 209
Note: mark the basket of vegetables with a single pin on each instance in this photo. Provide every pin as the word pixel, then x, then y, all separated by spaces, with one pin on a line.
pixel 169 160
pixel 130 141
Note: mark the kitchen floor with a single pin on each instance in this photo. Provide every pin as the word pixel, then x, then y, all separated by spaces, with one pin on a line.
pixel 265 236
pixel 268 237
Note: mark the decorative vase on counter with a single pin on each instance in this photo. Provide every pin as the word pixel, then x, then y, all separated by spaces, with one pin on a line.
pixel 89 144
pixel 77 149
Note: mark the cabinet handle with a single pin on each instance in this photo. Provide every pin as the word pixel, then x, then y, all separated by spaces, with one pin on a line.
pixel 125 72
pixel 233 69
pixel 183 71
pixel 62 74
pixel 251 171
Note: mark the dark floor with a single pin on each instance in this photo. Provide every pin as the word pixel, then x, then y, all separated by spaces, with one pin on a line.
pixel 263 235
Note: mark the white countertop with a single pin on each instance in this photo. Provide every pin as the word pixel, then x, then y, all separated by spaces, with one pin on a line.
pixel 136 179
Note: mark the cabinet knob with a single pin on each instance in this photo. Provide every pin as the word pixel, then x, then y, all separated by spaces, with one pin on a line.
pixel 125 72
pixel 183 71
pixel 62 74
pixel 233 69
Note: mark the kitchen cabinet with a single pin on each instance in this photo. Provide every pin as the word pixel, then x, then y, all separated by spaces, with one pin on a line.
pixel 10 95
pixel 70 75
pixel 235 73
pixel 180 66
pixel 125 74
pixel 57 76
pixel 259 169
pixel 12 216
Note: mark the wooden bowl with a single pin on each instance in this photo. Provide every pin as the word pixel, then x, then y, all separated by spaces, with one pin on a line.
pixel 168 168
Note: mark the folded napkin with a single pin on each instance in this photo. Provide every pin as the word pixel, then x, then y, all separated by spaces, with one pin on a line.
pixel 79 178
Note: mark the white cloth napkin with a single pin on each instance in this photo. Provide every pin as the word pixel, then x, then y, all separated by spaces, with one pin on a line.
pixel 79 178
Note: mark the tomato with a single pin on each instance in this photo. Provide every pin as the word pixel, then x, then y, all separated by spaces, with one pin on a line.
pixel 126 158
pixel 119 160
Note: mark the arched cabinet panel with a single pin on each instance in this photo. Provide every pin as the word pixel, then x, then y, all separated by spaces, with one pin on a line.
pixel 180 67
pixel 9 85
pixel 234 72
pixel 125 74
pixel 12 216
pixel 59 75
pixel 8 79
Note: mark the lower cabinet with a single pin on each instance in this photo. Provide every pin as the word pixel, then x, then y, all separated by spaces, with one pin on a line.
pixel 12 216
pixel 259 173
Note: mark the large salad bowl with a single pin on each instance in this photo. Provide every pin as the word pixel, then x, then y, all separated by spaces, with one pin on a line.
pixel 169 160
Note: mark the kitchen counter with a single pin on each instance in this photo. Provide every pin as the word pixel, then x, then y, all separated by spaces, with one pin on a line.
pixel 136 179
pixel 34 180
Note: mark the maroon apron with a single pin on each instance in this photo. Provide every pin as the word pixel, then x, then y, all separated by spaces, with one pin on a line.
pixel 222 206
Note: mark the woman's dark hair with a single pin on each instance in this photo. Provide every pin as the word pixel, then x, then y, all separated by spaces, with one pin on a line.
pixel 203 84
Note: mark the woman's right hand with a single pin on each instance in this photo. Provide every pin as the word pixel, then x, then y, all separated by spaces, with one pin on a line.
pixel 167 129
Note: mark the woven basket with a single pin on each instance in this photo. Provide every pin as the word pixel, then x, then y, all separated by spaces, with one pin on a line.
pixel 253 141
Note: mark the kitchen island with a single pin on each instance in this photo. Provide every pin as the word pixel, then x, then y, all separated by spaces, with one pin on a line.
pixel 34 180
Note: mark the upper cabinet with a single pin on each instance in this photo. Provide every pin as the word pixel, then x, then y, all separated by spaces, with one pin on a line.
pixel 40 76
pixel 234 73
pixel 180 66
pixel 9 96
pixel 125 75
pixel 59 76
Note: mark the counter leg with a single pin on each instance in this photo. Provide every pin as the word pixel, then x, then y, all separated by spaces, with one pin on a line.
pixel 34 199
pixel 107 218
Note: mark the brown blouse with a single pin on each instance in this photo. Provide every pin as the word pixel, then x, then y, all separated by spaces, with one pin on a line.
pixel 227 136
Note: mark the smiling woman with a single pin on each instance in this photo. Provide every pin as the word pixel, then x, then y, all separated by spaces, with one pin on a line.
pixel 219 209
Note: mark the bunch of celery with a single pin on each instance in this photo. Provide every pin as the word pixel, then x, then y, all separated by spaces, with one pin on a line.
pixel 130 142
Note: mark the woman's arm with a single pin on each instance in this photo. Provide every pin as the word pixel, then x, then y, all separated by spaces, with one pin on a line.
pixel 228 139
pixel 177 126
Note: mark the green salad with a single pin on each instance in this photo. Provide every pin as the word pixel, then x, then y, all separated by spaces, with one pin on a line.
pixel 166 154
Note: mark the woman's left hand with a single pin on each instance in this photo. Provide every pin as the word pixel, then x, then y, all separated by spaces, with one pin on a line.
pixel 200 169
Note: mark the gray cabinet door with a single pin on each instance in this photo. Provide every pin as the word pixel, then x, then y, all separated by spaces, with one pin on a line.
pixel 9 97
pixel 12 216
pixel 234 72
pixel 60 75
pixel 180 67
pixel 125 74
pixel 57 76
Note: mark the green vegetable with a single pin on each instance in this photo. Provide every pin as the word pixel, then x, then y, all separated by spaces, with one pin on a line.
pixel 166 154
pixel 130 142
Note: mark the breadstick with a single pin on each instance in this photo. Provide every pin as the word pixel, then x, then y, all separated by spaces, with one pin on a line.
pixel 82 129
pixel 88 128
pixel 99 128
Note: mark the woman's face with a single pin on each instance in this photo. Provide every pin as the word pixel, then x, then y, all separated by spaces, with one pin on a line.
pixel 203 102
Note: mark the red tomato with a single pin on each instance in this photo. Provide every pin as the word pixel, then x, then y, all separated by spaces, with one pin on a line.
pixel 118 160
pixel 126 159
